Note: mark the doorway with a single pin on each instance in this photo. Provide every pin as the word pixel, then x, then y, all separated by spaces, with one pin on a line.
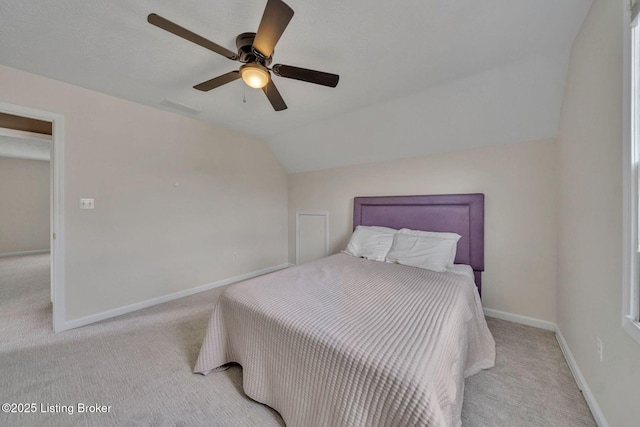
pixel 28 122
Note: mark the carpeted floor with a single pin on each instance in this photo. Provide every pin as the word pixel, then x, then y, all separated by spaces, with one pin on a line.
pixel 140 365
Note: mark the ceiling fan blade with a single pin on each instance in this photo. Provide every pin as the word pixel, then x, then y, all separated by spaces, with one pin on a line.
pixel 275 19
pixel 274 96
pixel 311 76
pixel 218 81
pixel 179 31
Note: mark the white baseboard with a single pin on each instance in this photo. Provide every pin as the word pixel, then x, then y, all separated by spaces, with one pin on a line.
pixel 524 320
pixel 83 321
pixel 582 383
pixel 571 361
pixel 39 251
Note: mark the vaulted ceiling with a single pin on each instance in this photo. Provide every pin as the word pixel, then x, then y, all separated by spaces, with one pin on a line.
pixel 384 51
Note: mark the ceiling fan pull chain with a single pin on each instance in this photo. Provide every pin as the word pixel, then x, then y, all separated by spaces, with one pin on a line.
pixel 244 94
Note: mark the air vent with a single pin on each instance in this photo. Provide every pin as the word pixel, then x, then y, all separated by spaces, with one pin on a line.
pixel 178 106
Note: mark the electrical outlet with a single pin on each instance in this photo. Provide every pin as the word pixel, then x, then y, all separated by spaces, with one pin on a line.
pixel 600 347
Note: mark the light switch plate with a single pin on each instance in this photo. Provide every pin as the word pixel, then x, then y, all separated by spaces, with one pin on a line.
pixel 86 204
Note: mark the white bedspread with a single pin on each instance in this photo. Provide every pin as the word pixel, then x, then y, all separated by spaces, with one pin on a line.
pixel 344 341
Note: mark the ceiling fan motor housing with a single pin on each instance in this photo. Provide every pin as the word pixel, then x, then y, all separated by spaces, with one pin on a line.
pixel 244 43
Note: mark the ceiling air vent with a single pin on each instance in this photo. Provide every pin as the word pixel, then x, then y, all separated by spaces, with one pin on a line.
pixel 178 106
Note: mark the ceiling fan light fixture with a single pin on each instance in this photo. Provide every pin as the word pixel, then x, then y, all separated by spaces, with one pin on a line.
pixel 254 75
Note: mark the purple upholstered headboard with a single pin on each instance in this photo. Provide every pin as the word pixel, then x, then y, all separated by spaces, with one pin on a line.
pixel 457 213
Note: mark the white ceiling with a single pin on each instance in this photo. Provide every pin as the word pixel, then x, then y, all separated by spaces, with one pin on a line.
pixel 383 50
pixel 24 147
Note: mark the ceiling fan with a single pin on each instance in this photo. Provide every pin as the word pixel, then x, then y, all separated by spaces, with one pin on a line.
pixel 254 51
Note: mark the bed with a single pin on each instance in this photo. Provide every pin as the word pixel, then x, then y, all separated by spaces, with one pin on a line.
pixel 344 341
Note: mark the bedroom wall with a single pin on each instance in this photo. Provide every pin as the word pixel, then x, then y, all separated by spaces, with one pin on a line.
pixel 24 205
pixel 179 203
pixel 590 216
pixel 520 223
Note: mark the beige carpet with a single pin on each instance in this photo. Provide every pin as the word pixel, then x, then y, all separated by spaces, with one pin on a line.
pixel 140 364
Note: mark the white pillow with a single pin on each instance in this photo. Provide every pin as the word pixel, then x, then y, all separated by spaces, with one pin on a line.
pixel 433 251
pixel 436 235
pixel 370 242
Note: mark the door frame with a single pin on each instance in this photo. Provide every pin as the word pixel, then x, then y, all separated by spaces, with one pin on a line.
pixel 56 205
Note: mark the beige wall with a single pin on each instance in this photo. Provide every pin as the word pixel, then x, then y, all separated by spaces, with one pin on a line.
pixel 519 183
pixel 175 199
pixel 590 216
pixel 24 205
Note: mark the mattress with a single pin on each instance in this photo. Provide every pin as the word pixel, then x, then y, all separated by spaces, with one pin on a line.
pixel 463 269
pixel 345 341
